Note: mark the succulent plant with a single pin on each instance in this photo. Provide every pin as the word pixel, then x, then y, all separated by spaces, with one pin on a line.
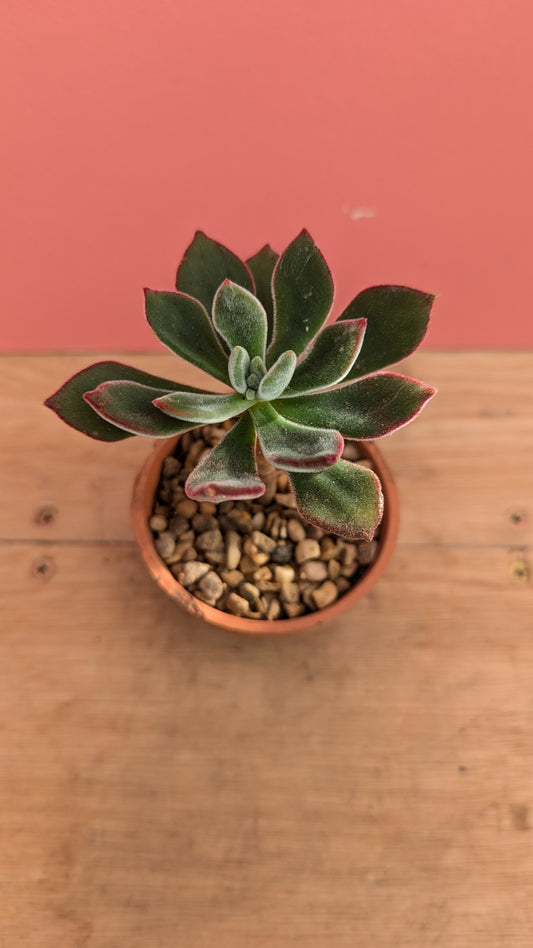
pixel 300 383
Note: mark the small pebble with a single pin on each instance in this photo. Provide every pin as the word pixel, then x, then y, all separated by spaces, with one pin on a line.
pixel 306 550
pixel 206 507
pixel 186 508
pixel 232 577
pixel 211 586
pixel 211 541
pixel 258 520
pixel 296 530
pixel 283 553
pixel 249 591
pixel 290 592
pixel 351 451
pixel 189 573
pixel 343 585
pixel 165 545
pixel 274 610
pixel 262 542
pixel 237 604
pixel 263 574
pixel 294 609
pixel 314 570
pixel 203 522
pixel 286 500
pixel 178 526
pixel 158 523
pixel 334 569
pixel 233 549
pixel 171 466
pixel 367 550
pixel 284 574
pixel 325 594
pixel 328 549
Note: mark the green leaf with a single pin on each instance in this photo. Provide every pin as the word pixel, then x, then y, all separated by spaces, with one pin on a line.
pixel 397 318
pixel 330 357
pixel 238 368
pixel 278 377
pixel 182 324
pixel 303 294
pixel 345 499
pixel 129 406
pixel 261 266
pixel 69 404
pixel 202 408
pixel 229 471
pixel 240 319
pixel 294 447
pixel 205 265
pixel 367 409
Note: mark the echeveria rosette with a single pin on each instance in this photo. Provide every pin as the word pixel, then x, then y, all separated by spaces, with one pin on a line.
pixel 300 384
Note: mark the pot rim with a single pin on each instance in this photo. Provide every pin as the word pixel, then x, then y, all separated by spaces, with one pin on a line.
pixel 141 509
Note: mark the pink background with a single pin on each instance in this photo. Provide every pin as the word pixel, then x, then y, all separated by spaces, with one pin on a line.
pixel 399 132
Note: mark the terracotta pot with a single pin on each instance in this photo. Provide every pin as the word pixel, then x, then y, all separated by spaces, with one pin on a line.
pixel 141 511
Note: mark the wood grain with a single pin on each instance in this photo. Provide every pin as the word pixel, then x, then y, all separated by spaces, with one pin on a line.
pixel 369 784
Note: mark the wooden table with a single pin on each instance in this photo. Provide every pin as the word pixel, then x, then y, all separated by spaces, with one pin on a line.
pixel 368 785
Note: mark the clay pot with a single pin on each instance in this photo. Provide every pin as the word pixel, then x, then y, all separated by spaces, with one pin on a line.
pixel 141 510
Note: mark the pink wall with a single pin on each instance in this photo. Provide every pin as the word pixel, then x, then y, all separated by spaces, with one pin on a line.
pixel 399 132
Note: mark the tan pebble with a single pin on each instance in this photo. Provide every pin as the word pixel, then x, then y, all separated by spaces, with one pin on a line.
pixel 189 573
pixel 249 546
pixel 325 594
pixel 306 593
pixel 165 545
pixel 158 523
pixel 249 591
pixel 242 520
pixel 293 609
pixel 367 550
pixel 296 530
pixel 273 525
pixel 189 554
pixel 262 542
pixel 366 462
pixel 233 549
pixel 225 506
pixel 283 482
pixel 193 454
pixel 351 451
pixel 207 508
pixel 186 441
pixel 348 571
pixel 171 467
pixel 286 500
pixel 247 565
pixel 328 549
pixel 186 508
pixel 283 531
pixel 188 537
pixel 237 604
pixel 216 433
pixel 211 586
pixel 334 569
pixel 314 570
pixel 289 592
pixel 316 533
pixel 258 520
pixel 215 557
pixel 267 585
pixel 274 610
pixel 262 574
pixel 259 559
pixel 211 540
pixel 284 574
pixel 178 526
pixel 203 522
pixel 349 554
pixel 343 585
pixel 232 577
pixel 306 550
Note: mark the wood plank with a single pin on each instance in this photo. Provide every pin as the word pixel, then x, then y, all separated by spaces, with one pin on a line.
pixel 166 784
pixel 462 468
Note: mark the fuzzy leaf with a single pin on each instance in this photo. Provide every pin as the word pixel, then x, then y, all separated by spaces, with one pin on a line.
pixel 69 404
pixel 303 294
pixel 294 447
pixel 261 266
pixel 238 368
pixel 129 406
pixel 274 383
pixel 367 409
pixel 330 357
pixel 345 499
pixel 397 318
pixel 203 408
pixel 240 319
pixel 205 265
pixel 229 471
pixel 182 324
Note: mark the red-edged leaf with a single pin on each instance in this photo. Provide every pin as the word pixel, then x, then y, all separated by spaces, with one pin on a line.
pixel 330 357
pixel 345 499
pixel 261 266
pixel 203 408
pixel 229 471
pixel 130 406
pixel 362 410
pixel 182 324
pixel 69 404
pixel 294 447
pixel 205 265
pixel 303 295
pixel 397 318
